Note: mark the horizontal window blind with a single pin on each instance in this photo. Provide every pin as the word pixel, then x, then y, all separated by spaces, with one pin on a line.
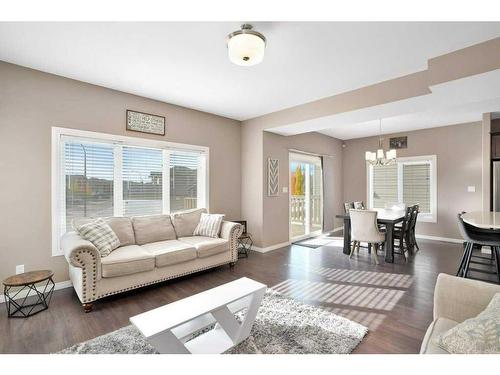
pixel 99 175
pixel 385 185
pixel 88 179
pixel 184 167
pixel 142 181
pixel 417 185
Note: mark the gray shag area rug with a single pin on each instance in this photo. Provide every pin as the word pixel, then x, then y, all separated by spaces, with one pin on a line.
pixel 283 326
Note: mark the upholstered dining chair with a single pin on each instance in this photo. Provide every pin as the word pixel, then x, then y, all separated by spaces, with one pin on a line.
pixel 364 229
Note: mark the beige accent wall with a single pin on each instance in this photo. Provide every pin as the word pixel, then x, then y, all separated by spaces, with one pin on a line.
pixel 31 102
pixel 252 148
pixel 276 209
pixel 459 164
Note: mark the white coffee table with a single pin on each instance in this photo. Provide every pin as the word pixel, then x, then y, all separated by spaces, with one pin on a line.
pixel 167 328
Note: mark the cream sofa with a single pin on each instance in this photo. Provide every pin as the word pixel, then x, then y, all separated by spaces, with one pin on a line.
pixel 455 299
pixel 152 249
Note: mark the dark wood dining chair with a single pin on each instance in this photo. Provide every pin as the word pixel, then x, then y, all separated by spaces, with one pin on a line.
pixel 359 205
pixel 401 234
pixel 474 237
pixel 411 237
pixel 348 206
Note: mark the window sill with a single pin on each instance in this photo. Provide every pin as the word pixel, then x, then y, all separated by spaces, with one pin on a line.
pixel 426 218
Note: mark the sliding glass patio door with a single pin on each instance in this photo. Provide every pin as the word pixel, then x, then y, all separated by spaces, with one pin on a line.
pixel 306 195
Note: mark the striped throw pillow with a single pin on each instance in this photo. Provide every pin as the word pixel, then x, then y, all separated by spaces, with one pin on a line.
pixel 101 235
pixel 209 225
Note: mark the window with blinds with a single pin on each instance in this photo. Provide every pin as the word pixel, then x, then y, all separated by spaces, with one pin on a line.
pixel 410 181
pixel 88 180
pixel 142 176
pixel 107 175
pixel 417 185
pixel 184 167
pixel 385 185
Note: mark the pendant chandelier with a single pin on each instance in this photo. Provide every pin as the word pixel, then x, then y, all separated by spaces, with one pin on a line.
pixel 381 157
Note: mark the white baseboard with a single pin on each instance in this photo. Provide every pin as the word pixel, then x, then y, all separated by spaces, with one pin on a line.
pixel 270 248
pixel 442 239
pixel 337 229
pixel 59 285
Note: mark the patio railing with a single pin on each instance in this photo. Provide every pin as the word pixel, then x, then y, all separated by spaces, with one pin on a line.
pixel 298 209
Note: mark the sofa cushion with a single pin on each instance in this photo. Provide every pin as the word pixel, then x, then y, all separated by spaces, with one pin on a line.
pixel 127 260
pixel 101 235
pixel 170 252
pixel 153 228
pixel 207 246
pixel 479 335
pixel 437 327
pixel 122 226
pixel 185 222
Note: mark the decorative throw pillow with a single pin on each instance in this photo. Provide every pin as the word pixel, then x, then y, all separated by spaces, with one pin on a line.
pixel 209 225
pixel 101 235
pixel 479 335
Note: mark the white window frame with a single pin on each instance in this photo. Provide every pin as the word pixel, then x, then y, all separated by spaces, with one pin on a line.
pixel 432 160
pixel 57 159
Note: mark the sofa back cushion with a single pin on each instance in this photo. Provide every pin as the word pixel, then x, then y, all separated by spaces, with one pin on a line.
pixel 153 228
pixel 185 222
pixel 122 226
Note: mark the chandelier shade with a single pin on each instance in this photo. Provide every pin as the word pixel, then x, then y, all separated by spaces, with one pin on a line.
pixel 381 157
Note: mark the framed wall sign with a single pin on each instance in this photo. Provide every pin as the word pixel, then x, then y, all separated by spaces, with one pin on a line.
pixel 398 142
pixel 145 123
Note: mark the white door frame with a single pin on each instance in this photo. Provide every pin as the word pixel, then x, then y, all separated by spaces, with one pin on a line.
pixel 305 159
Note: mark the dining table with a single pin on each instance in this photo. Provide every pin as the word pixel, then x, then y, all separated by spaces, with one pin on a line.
pixel 386 216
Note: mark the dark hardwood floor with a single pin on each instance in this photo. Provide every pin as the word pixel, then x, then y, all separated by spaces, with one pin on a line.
pixel 393 300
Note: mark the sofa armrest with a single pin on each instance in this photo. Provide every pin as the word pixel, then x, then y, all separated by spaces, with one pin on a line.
pixel 81 253
pixel 459 299
pixel 231 231
pixel 78 251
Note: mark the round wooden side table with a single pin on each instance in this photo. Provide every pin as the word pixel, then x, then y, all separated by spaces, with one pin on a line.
pixel 23 297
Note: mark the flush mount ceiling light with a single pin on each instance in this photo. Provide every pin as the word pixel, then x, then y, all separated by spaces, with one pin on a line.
pixel 246 47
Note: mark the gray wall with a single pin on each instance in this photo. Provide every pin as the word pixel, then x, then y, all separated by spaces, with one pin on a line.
pixel 276 209
pixel 31 102
pixel 459 164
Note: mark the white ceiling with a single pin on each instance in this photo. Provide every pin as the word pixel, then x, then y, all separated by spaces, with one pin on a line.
pixel 186 63
pixel 454 102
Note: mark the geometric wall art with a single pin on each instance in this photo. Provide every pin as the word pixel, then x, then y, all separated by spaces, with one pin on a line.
pixel 273 177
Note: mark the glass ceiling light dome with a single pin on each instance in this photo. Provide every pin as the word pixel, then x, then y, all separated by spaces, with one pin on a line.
pixel 246 47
